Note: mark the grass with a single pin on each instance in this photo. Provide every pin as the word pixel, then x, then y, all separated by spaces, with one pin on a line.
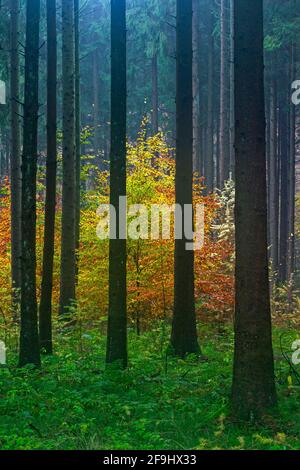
pixel 158 403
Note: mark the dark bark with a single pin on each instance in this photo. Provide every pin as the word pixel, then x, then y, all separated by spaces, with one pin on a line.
pixel 45 311
pixel 284 191
pixel 77 133
pixel 29 340
pixel 184 332
pixel 292 172
pixel 209 161
pixel 154 71
pixel 231 91
pixel 117 315
pixel 224 101
pixel 96 107
pixel 217 152
pixel 68 237
pixel 15 156
pixel 253 390
pixel 197 130
pixel 273 179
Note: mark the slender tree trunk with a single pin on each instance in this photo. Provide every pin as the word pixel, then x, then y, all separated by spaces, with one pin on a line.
pixel 184 332
pixel 7 153
pixel 117 315
pixel 1 157
pixel 196 88
pixel 273 183
pixel 45 312
pixel 68 236
pixel 29 340
pixel 154 69
pixel 77 133
pixel 15 158
pixel 292 171
pixel 284 191
pixel 268 86
pixel 96 103
pixel 217 126
pixel 231 86
pixel 224 105
pixel 209 167
pixel 253 389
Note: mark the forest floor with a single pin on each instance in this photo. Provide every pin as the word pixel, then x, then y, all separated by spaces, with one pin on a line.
pixel 158 403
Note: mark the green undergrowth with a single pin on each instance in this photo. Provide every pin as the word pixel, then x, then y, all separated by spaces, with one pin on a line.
pixel 160 403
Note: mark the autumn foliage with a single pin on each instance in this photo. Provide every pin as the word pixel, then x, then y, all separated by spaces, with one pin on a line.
pixel 151 173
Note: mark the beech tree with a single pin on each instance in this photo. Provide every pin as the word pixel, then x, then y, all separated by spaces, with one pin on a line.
pixel 228 107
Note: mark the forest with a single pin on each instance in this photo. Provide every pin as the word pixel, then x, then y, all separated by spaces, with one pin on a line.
pixel 150 225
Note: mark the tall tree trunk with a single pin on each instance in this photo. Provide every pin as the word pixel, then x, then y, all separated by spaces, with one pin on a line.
pixel 7 153
pixel 209 166
pixel 292 171
pixel 77 133
pixel 253 374
pixel 15 157
pixel 29 340
pixel 68 237
pixel 217 158
pixel 45 312
pixel 154 70
pixel 184 332
pixel 196 88
pixel 117 315
pixel 96 103
pixel 268 86
pixel 273 182
pixel 224 105
pixel 231 91
pixel 284 190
